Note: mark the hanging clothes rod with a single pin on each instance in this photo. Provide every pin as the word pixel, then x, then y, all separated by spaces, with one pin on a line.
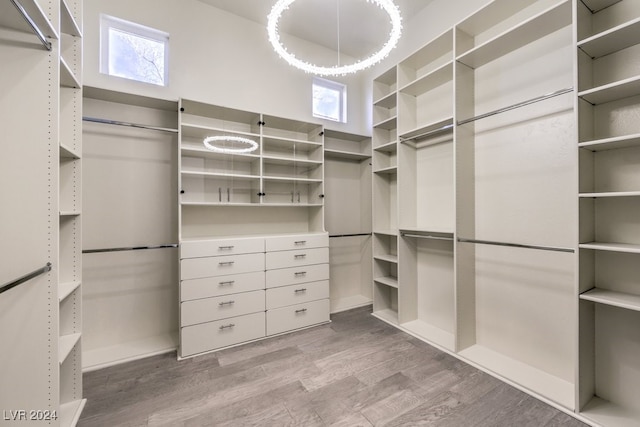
pixel 433 132
pixel 516 245
pixel 127 124
pixel 427 236
pixel 350 235
pixel 518 105
pixel 25 278
pixel 130 248
pixel 33 25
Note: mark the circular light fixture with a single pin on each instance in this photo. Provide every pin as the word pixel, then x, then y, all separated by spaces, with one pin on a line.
pixel 274 37
pixel 239 144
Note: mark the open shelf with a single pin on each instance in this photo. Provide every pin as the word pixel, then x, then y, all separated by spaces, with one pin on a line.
pixel 429 81
pixel 387 101
pixel 386 232
pixel 613 247
pixel 199 150
pixel 10 18
pixel 598 5
pixel 430 333
pixel 69 414
pixel 613 91
pixel 607 413
pixel 347 155
pixel 126 352
pixel 522 374
pixel 613 298
pixel 388 124
pixel 387 315
pixel 67 152
pixel 386 171
pixel 65 345
pixel 68 24
pixel 443 125
pixel 387 281
pixel 611 194
pixel 67 77
pixel 190 130
pixel 613 143
pixel 612 40
pixel 534 28
pixel 387 258
pixel 221 175
pixel 67 288
pixel 388 147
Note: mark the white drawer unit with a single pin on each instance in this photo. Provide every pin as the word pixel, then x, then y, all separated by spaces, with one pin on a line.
pixel 221 285
pixel 209 309
pixel 296 294
pixel 207 248
pixel 195 268
pixel 302 241
pixel 294 275
pixel 222 333
pixel 297 316
pixel 286 259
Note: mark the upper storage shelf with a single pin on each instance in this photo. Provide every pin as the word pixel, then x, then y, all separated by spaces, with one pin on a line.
pixel 197 114
pixel 612 40
pixel 384 87
pixel 68 23
pixel 500 28
pixel 428 63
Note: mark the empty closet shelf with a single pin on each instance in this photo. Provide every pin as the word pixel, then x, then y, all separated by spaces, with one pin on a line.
pixel 613 298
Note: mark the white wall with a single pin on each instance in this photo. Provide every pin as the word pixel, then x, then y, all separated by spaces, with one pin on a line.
pixel 218 58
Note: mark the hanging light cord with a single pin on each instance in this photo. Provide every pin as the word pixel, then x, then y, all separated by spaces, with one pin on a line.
pixel 338 20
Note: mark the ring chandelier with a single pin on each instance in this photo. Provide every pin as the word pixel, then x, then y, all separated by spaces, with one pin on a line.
pixel 274 37
pixel 240 145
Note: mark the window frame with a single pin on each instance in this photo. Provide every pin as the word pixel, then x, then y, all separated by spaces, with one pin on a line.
pixel 332 85
pixel 108 22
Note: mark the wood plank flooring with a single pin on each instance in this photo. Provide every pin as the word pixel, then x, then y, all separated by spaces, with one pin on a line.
pixel 356 371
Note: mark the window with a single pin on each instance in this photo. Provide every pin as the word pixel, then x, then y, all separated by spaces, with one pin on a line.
pixel 329 100
pixel 133 51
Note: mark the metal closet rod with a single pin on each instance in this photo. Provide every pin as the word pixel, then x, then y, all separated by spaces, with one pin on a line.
pixel 25 278
pixel 129 248
pixel 427 236
pixel 350 235
pixel 127 124
pixel 516 245
pixel 518 105
pixel 33 25
pixel 442 129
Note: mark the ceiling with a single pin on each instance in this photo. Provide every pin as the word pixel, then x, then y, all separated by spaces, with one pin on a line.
pixel 364 26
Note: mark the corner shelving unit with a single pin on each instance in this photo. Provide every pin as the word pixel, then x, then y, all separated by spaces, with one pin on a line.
pixel 385 196
pixel 347 165
pixel 609 149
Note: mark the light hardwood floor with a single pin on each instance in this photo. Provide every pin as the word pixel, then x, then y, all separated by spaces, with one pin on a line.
pixel 356 371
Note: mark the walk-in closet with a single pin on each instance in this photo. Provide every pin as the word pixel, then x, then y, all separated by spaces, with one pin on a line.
pixel 320 213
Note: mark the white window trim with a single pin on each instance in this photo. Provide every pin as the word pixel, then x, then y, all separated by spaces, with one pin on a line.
pixel 342 88
pixel 107 22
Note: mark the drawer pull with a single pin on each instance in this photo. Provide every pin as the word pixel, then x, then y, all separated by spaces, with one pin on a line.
pixel 300 290
pixel 223 327
pixel 300 273
pixel 226 263
pixel 300 256
pixel 223 303
pixel 226 248
pixel 302 310
pixel 227 283
pixel 300 242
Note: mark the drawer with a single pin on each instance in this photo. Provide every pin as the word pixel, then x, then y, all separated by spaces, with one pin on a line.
pixel 222 333
pixel 302 274
pixel 297 316
pixel 222 285
pixel 206 248
pixel 286 259
pixel 297 294
pixel 300 241
pixel 196 268
pixel 209 309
